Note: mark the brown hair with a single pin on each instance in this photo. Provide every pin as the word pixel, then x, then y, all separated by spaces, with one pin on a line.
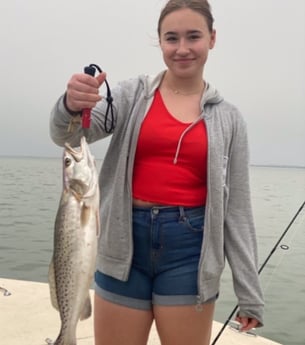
pixel 200 6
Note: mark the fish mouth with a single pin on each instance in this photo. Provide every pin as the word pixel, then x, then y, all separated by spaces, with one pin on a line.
pixel 80 152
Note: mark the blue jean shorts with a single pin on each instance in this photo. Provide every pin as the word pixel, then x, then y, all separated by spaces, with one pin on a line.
pixel 167 246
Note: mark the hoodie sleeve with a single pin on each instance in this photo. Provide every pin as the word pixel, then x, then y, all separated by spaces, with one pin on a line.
pixel 240 235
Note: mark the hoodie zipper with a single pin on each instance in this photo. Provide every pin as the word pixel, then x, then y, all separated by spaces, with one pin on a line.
pixel 200 298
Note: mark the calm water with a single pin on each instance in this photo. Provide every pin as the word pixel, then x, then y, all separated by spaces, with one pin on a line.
pixel 29 196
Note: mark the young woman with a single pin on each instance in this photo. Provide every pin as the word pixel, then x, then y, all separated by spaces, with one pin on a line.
pixel 175 198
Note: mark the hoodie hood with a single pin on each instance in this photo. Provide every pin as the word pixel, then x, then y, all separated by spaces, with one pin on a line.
pixel 210 96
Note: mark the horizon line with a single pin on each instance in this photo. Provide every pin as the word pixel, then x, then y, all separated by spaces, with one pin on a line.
pixel 270 165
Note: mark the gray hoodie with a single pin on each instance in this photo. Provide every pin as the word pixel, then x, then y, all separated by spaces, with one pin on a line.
pixel 229 229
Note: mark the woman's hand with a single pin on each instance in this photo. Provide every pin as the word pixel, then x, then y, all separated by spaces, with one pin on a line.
pixel 246 323
pixel 83 91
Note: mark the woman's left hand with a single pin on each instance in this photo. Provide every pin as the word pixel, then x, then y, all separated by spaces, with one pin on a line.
pixel 246 323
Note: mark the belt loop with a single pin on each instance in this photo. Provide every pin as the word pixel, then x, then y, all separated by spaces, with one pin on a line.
pixel 181 213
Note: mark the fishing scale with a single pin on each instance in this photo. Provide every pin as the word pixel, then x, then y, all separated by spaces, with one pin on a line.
pixel 86 113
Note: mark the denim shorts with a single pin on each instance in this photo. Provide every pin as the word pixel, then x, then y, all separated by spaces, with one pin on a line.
pixel 167 246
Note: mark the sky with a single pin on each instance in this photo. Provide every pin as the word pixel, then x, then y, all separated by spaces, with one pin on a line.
pixel 258 64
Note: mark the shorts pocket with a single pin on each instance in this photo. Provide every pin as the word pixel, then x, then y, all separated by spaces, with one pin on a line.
pixel 194 223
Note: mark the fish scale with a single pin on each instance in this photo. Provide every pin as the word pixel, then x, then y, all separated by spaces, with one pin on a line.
pixel 75 241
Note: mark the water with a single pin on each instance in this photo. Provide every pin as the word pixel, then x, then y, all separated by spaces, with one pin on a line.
pixel 29 195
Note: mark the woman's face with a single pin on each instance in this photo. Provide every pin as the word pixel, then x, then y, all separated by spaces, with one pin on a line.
pixel 185 42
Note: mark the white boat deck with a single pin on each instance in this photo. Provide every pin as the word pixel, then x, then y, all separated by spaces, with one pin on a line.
pixel 27 318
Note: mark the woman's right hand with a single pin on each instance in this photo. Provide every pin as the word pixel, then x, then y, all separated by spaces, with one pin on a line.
pixel 83 91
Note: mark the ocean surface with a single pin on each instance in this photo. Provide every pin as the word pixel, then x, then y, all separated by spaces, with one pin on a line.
pixel 30 189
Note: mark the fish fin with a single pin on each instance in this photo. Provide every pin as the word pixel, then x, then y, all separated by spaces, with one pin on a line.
pixel 85 214
pixel 87 310
pixel 52 286
pixel 62 339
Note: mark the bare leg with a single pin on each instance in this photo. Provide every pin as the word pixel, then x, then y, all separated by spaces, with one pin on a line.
pixel 180 325
pixel 116 325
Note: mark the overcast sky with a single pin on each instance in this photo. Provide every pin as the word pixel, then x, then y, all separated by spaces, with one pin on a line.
pixel 258 64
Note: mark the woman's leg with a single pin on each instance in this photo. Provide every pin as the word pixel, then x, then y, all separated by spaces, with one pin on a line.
pixel 180 325
pixel 116 325
pixel 175 287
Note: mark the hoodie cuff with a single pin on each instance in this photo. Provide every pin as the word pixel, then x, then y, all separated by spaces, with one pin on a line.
pixel 254 315
pixel 71 112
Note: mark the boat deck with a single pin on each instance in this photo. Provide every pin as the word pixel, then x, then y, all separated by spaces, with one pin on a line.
pixel 27 317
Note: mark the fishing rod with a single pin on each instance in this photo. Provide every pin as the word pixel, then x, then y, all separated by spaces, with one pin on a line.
pixel 284 247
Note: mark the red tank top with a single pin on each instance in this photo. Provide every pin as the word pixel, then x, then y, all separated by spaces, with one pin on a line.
pixel 166 172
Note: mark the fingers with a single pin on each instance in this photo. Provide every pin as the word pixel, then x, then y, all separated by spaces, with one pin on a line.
pixel 83 91
pixel 246 323
pixel 101 78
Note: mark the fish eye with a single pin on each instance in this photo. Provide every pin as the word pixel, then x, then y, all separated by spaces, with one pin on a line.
pixel 68 161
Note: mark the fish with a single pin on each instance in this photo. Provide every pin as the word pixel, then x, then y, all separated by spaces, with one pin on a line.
pixel 76 232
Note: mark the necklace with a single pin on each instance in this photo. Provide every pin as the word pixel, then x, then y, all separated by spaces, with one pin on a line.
pixel 179 92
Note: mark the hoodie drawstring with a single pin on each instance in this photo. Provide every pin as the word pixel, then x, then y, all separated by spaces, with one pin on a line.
pixel 182 136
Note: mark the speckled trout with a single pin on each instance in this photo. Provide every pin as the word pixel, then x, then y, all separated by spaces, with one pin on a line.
pixel 75 241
